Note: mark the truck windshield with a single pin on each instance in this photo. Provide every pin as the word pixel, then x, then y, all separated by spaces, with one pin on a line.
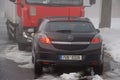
pixel 57 2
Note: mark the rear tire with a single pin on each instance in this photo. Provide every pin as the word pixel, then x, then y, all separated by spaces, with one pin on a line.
pixel 21 46
pixel 9 36
pixel 37 65
pixel 8 31
pixel 32 59
pixel 37 68
pixel 99 69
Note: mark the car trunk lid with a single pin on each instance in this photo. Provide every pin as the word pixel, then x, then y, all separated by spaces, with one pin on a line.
pixel 70 41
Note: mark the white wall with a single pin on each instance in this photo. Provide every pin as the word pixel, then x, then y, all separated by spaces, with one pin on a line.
pixel 2 5
pixel 2 8
pixel 95 10
pixel 116 8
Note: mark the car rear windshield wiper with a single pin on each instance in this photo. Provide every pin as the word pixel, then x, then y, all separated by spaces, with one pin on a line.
pixel 64 31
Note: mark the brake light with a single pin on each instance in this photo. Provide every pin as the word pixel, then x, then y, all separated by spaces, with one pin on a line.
pixel 96 40
pixel 45 40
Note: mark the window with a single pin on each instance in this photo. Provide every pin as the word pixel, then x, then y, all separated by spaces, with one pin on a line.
pixel 75 27
pixel 57 2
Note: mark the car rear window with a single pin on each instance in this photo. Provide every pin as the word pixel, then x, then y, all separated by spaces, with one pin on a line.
pixel 76 27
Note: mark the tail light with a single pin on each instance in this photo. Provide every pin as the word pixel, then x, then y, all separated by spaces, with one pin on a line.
pixel 45 39
pixel 96 40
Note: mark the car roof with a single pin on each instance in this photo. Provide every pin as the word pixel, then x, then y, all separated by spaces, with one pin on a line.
pixel 68 18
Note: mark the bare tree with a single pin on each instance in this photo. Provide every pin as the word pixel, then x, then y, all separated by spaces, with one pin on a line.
pixel 105 20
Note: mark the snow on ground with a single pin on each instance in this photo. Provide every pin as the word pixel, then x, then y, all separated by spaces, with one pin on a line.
pixel 113 75
pixel 22 57
pixel 70 76
pixel 97 77
pixel 111 39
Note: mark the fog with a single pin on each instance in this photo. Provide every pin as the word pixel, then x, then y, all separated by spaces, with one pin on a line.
pixel 95 10
pixel 2 8
pixel 116 8
pixel 1 5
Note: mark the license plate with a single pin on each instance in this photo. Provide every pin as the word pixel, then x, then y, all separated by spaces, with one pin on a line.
pixel 70 57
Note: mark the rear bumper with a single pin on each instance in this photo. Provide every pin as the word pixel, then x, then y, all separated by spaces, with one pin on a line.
pixel 89 58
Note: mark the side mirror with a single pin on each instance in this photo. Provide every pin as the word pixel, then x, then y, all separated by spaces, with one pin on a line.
pixel 98 30
pixel 92 2
pixel 13 0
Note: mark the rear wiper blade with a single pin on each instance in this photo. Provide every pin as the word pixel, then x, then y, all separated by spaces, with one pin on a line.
pixel 64 31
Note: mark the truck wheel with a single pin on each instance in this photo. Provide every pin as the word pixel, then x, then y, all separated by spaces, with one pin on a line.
pixel 21 46
pixel 37 68
pixel 32 59
pixel 99 69
pixel 9 35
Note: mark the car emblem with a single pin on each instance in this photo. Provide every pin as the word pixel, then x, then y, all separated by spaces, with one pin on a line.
pixel 70 38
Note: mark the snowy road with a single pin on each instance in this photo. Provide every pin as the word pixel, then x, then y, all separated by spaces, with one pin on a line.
pixel 9 69
pixel 16 65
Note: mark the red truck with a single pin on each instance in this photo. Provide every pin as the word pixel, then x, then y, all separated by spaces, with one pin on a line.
pixel 25 16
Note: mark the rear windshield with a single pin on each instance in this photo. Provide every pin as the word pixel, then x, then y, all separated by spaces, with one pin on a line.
pixel 56 2
pixel 76 27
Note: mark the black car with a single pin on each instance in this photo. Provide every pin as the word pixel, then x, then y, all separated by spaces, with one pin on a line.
pixel 67 41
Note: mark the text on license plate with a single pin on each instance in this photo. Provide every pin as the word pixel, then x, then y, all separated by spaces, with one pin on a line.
pixel 70 57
